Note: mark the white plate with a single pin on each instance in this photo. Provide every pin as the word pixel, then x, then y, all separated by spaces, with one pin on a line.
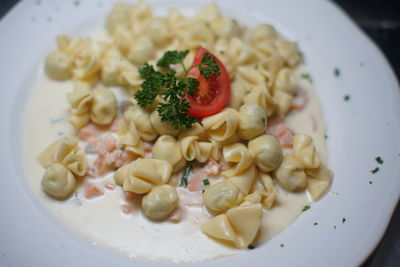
pixel 361 129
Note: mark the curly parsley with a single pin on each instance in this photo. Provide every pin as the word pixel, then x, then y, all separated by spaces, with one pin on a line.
pixel 174 108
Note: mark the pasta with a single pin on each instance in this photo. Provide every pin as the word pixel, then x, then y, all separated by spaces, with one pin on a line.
pixel 167 148
pixel 291 175
pixel 66 152
pixel 141 118
pixel 221 197
pixel 161 127
pixel 183 113
pixel 104 106
pixel 252 121
pixel 143 174
pixel 239 154
pixel 319 181
pixel 99 106
pixel 160 202
pixel 58 181
pixel 231 227
pixel 267 152
pixel 304 150
pixel 222 126
pixel 58 66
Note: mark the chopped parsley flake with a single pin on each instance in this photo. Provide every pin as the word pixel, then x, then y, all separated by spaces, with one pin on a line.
pixel 375 170
pixel 206 182
pixel 334 227
pixel 250 247
pixel 336 72
pixel 326 136
pixel 76 2
pixel 282 245
pixel 346 98
pixel 202 191
pixel 379 160
pixel 343 220
pixel 370 182
pixel 187 173
pixel 306 208
pixel 315 223
pixel 263 120
pixel 306 76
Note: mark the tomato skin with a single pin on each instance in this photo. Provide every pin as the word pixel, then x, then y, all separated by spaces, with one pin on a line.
pixel 218 86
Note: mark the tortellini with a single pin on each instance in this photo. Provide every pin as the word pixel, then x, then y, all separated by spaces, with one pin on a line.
pixel 129 136
pixel 252 121
pixel 98 105
pixel 291 175
pixel 160 202
pixel 66 152
pixel 260 95
pixel 262 33
pixel 141 51
pixel 58 181
pixel 193 149
pixel 221 196
pixel 319 181
pixel 117 70
pixel 289 51
pixel 221 126
pixel 58 66
pixel 304 150
pixel 244 180
pixel 267 152
pixel 239 155
pixel 158 31
pixel 270 191
pixel 167 148
pixel 232 227
pixel 141 118
pixel 104 106
pixel 143 174
pixel 86 55
pixel 285 81
pixel 162 128
pixel 283 102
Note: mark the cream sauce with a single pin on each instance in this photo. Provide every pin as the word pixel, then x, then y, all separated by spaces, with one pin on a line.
pixel 101 219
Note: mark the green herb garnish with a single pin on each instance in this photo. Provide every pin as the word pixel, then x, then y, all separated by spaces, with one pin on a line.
pixel 307 76
pixel 306 208
pixel 379 160
pixel 206 182
pixel 336 72
pixel 315 223
pixel 370 182
pixel 187 173
pixel 343 220
pixel 346 98
pixel 250 247
pixel 375 170
pixel 334 227
pixel 282 245
pixel 174 108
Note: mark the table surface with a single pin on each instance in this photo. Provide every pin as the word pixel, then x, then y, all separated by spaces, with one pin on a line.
pixel 381 21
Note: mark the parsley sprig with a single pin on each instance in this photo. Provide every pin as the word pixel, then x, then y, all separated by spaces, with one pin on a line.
pixel 174 108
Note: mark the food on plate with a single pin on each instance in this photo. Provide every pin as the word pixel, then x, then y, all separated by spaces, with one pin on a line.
pixel 192 125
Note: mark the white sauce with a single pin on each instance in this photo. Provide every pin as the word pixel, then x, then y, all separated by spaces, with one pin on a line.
pixel 102 220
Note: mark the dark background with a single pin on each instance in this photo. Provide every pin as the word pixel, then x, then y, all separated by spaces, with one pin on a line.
pixel 380 19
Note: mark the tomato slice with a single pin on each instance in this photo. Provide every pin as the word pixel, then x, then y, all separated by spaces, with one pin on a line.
pixel 213 94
